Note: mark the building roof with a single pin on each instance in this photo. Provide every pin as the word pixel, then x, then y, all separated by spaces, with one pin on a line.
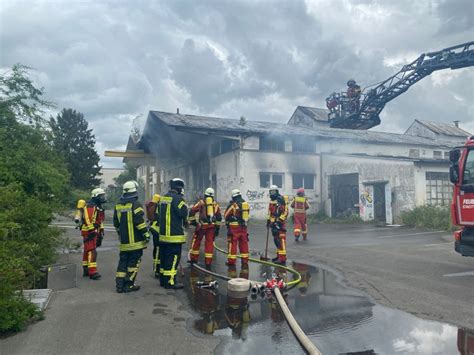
pixel 227 126
pixel 318 114
pixel 446 129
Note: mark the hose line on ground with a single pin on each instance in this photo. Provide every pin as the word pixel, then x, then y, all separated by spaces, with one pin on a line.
pixel 290 284
pixel 302 338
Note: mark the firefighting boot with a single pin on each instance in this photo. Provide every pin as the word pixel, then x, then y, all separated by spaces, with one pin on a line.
pixel 95 276
pixel 275 259
pixel 131 288
pixel 280 262
pixel 85 271
pixel 208 267
pixel 297 238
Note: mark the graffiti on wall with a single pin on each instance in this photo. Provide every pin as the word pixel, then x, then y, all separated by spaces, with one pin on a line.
pixel 257 206
pixel 253 195
pixel 366 203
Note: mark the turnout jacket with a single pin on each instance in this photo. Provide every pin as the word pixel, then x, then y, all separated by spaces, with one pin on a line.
pixel 93 217
pixel 278 209
pixel 205 220
pixel 173 213
pixel 130 224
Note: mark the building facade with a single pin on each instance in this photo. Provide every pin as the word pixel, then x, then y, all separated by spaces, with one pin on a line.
pixel 375 175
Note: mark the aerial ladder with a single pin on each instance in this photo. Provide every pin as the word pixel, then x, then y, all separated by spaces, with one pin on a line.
pixel 362 112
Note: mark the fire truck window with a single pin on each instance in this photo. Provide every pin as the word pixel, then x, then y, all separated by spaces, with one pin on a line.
pixel 468 176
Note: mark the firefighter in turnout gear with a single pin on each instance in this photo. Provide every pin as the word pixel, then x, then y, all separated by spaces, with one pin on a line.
pixel 92 217
pixel 277 214
pixel 236 218
pixel 300 204
pixel 153 218
pixel 207 226
pixel 130 225
pixel 173 217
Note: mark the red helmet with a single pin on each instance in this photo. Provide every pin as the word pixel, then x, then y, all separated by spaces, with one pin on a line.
pixel 300 191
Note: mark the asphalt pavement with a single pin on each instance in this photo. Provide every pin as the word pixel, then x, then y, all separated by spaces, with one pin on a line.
pixel 408 269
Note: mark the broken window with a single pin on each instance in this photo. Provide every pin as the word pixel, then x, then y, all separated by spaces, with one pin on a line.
pixel 223 146
pixel 439 190
pixel 272 144
pixel 267 179
pixel 303 180
pixel 303 145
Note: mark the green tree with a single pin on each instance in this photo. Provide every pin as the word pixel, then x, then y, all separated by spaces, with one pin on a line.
pixel 73 139
pixel 33 181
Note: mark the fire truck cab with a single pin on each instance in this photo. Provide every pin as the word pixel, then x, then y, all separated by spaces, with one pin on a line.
pixel 461 174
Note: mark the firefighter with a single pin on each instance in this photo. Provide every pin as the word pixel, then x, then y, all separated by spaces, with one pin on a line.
pixel 130 225
pixel 277 214
pixel 173 217
pixel 153 218
pixel 300 204
pixel 236 218
pixel 353 94
pixel 207 226
pixel 92 230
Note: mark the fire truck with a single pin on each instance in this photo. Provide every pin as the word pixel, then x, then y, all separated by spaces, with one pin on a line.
pixel 461 174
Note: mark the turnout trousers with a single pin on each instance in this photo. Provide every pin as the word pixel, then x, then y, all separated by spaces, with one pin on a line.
pixel 156 251
pixel 300 226
pixel 207 232
pixel 237 236
pixel 279 238
pixel 127 269
pixel 170 254
pixel 89 256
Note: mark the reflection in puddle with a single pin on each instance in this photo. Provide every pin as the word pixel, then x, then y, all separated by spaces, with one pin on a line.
pixel 337 319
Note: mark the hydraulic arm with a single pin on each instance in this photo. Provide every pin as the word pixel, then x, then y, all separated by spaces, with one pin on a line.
pixel 363 112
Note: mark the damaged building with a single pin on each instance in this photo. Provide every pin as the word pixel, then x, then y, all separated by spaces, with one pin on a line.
pixel 376 175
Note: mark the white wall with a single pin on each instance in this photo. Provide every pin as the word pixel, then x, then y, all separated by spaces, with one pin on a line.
pixel 255 162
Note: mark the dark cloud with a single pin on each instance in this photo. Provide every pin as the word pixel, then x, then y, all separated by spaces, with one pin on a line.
pixel 115 60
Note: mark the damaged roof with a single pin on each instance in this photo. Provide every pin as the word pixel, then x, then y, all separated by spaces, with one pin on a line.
pixel 318 114
pixel 444 128
pixel 204 124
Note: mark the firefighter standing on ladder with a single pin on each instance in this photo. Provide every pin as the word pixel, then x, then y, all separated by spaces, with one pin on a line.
pixel 173 217
pixel 208 226
pixel 91 217
pixel 300 204
pixel 130 225
pixel 277 214
pixel 236 218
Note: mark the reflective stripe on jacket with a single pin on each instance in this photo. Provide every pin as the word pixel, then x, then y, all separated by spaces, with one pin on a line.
pixel 130 224
pixel 173 213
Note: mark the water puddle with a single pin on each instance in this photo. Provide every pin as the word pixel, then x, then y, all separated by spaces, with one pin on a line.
pixel 339 320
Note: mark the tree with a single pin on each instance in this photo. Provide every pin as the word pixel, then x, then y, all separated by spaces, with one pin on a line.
pixel 33 181
pixel 75 142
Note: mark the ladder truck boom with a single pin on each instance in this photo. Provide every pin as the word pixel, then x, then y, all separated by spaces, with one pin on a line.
pixel 364 114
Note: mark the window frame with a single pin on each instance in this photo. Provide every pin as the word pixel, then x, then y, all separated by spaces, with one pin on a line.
pixel 271 182
pixel 304 177
pixel 439 190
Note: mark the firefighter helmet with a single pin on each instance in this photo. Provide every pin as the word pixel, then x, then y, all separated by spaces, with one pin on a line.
pixel 209 192
pixel 351 82
pixel 156 198
pixel 177 184
pixel 300 191
pixel 130 186
pixel 236 192
pixel 96 192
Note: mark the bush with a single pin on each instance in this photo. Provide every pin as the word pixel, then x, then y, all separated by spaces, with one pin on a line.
pixel 16 313
pixel 431 217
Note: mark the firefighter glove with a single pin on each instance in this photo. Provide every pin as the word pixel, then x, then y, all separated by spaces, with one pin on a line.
pixel 99 240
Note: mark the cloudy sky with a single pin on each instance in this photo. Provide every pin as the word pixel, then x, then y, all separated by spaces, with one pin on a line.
pixel 115 60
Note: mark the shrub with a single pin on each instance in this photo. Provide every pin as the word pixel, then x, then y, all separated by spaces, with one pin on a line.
pixel 431 217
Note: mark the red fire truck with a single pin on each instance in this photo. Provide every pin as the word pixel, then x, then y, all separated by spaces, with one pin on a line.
pixel 461 174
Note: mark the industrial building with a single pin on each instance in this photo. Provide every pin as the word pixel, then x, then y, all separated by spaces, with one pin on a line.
pixel 376 175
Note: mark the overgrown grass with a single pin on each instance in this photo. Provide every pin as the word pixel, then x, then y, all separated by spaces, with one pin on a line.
pixel 431 217
pixel 321 217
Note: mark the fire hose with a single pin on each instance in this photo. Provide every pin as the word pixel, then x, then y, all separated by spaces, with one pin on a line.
pixel 302 338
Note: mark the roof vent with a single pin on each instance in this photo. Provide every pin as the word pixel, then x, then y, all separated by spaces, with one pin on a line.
pixel 177 110
pixel 456 123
